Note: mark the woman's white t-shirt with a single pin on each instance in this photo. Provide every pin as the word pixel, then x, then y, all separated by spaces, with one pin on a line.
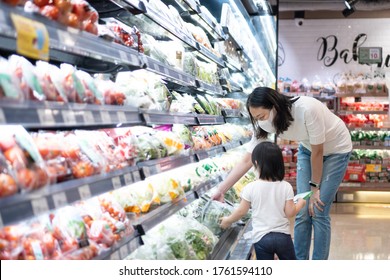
pixel 267 201
pixel 315 124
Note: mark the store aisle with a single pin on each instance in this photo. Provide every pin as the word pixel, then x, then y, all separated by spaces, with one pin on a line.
pixel 360 231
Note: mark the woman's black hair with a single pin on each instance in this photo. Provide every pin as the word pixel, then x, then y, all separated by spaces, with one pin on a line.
pixel 269 98
pixel 267 158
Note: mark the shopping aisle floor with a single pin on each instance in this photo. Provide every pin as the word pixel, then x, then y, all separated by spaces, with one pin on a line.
pixel 360 231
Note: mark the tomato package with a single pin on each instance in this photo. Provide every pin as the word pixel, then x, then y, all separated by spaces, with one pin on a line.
pixel 8 82
pixel 52 147
pixel 80 157
pixel 23 158
pixel 39 242
pixel 112 95
pixel 69 229
pixel 11 246
pixel 115 215
pixel 92 94
pixel 100 149
pixel 26 78
pixel 8 184
pixel 123 34
pixel 74 13
pixel 124 144
pixel 47 75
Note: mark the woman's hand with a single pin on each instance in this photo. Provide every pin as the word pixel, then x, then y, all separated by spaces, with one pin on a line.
pixel 315 201
pixel 219 196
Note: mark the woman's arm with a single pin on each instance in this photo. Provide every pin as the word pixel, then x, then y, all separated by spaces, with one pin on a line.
pixel 317 155
pixel 235 174
pixel 291 209
pixel 237 214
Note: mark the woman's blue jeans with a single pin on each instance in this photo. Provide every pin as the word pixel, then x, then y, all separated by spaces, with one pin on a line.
pixel 334 168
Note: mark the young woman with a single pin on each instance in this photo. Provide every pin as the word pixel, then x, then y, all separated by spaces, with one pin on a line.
pixel 323 154
pixel 272 204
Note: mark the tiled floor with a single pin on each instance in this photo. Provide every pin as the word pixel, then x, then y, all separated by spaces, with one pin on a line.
pixel 360 231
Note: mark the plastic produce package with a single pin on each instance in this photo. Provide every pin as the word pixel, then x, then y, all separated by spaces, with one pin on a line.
pixel 124 144
pixel 50 89
pixel 166 188
pixel 136 198
pixel 8 184
pixel 9 87
pixel 23 158
pixel 177 238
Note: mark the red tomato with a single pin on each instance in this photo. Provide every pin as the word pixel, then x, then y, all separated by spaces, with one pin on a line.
pixel 50 11
pixel 90 27
pixel 7 185
pixel 82 169
pixel 64 6
pixel 27 178
pixel 41 3
pixel 7 143
pixel 73 20
pixel 16 157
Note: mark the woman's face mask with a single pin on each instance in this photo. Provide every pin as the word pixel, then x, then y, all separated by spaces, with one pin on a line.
pixel 264 117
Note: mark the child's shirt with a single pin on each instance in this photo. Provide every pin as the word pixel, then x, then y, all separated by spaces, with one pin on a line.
pixel 267 201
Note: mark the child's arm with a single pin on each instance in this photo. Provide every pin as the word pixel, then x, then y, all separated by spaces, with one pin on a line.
pixel 237 214
pixel 291 209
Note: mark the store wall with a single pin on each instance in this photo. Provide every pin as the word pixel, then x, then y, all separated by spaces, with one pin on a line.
pixel 327 47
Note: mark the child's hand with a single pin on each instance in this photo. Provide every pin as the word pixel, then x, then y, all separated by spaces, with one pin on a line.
pixel 225 223
pixel 301 203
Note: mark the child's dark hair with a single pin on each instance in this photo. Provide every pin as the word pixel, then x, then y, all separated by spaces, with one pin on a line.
pixel 267 158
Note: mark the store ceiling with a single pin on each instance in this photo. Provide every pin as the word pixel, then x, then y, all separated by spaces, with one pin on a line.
pixel 331 5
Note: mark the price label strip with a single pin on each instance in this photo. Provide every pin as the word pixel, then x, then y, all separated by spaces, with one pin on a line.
pixel 39 206
pixel 46 116
pixel 128 179
pixel 115 255
pixel 60 200
pixel 105 115
pixel 2 116
pixel 88 117
pixel 85 192
pixel 136 176
pixel 121 116
pixel 116 182
pixel 68 117
pixel 123 251
pixel 32 38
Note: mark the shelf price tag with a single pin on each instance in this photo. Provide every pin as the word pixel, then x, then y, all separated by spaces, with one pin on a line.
pixel 105 115
pixel 85 192
pixel 60 199
pixel 121 116
pixel 116 182
pixel 2 116
pixel 1 222
pixel 146 171
pixel 68 117
pixel 88 117
pixel 115 255
pixel 128 179
pixel 46 116
pixel 39 206
pixel 32 38
pixel 136 176
pixel 123 56
pixel 123 251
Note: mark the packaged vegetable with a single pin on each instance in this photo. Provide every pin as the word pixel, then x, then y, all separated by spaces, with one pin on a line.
pixel 9 84
pixel 166 189
pixel 50 87
pixel 8 184
pixel 23 158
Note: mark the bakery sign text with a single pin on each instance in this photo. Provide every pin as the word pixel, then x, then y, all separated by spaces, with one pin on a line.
pixel 329 53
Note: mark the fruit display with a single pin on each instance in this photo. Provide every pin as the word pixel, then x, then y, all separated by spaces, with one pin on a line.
pixel 363 120
pixel 73 13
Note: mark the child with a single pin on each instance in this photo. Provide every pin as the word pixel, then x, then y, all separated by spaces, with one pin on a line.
pixel 272 204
